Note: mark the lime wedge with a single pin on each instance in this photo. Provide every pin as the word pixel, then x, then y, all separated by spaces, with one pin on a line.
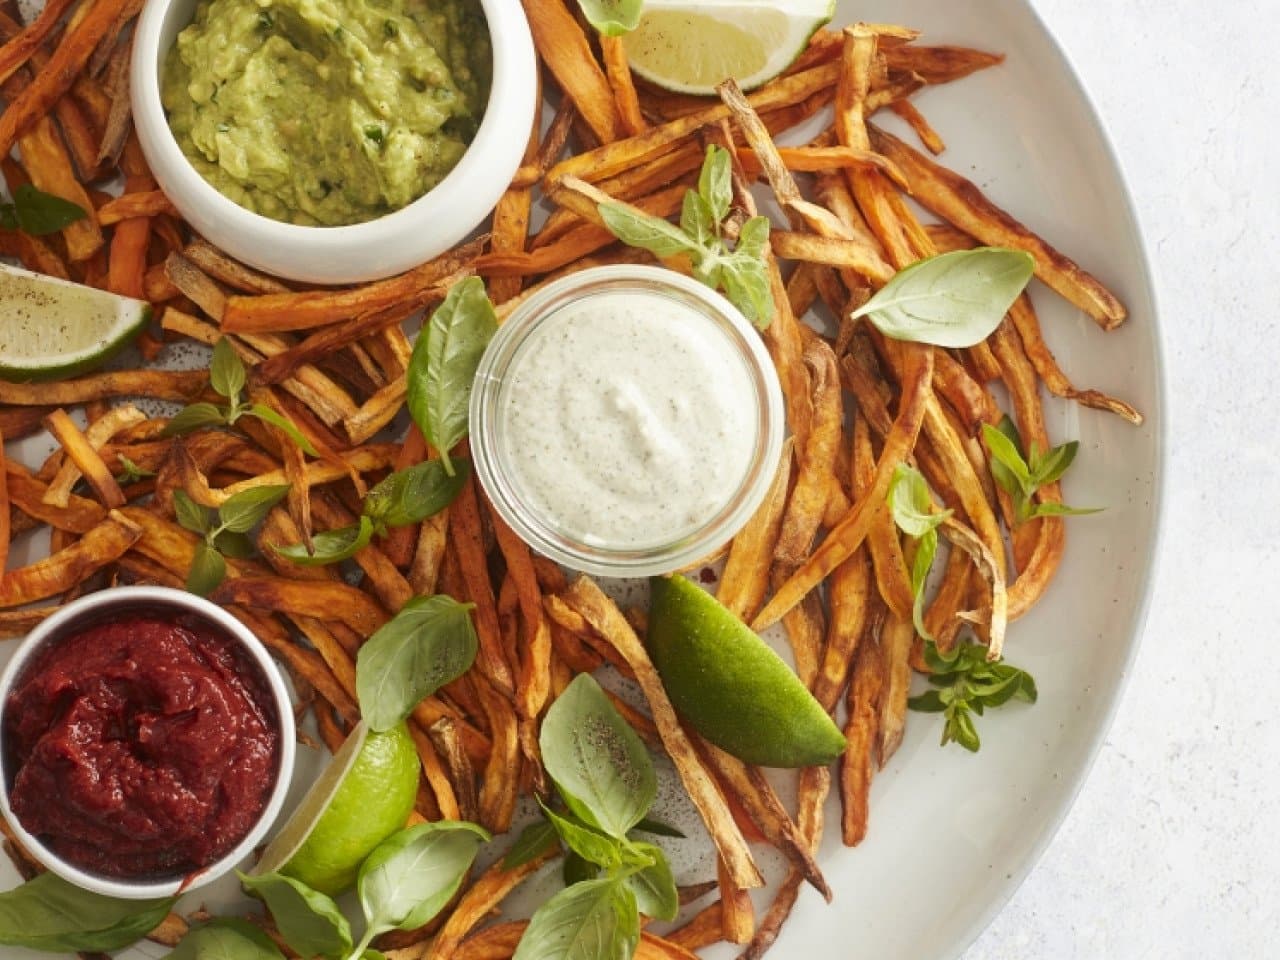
pixel 730 686
pixel 51 328
pixel 691 45
pixel 364 795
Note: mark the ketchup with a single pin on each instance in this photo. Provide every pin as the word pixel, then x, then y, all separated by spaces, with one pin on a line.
pixel 141 746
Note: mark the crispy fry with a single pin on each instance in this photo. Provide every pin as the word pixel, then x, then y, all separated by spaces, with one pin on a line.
pixel 5 530
pixel 306 597
pixel 603 615
pixel 462 776
pixel 737 915
pixel 565 50
pixel 64 569
pixel 231 272
pixel 701 930
pixel 923 129
pixel 150 203
pixel 468 542
pixel 17 50
pixel 46 159
pixel 618 72
pixel 178 385
pixel 861 757
pixel 745 579
pixel 82 454
pixel 276 312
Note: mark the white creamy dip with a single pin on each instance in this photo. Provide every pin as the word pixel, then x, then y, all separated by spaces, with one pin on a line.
pixel 627 419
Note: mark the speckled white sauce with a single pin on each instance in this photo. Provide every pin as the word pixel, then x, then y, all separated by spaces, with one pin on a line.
pixel 628 420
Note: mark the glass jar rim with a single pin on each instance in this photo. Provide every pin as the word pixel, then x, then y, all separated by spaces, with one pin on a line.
pixel 598 557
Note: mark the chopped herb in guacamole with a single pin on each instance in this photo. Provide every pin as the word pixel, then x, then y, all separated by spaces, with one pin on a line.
pixel 327 112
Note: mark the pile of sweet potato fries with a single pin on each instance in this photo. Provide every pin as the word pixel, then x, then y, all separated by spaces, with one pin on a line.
pixel 822 556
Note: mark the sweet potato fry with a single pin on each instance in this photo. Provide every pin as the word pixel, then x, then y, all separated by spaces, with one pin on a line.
pixel 923 129
pixel 745 578
pixel 19 49
pixel 860 759
pixel 468 542
pixel 960 202
pixel 737 914
pixel 618 72
pixel 46 159
pixel 701 930
pixel 234 274
pixel 5 530
pixel 64 569
pixel 83 456
pixel 149 203
pixel 462 776
pixel 603 615
pixel 566 52
pixel 177 385
pixel 320 599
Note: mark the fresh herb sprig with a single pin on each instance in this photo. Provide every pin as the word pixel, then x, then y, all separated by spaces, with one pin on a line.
pixel 48 913
pixel 951 300
pixel 130 471
pixel 224 532
pixel 912 509
pixel 402 884
pixel 401 498
pixel 37 213
pixel 226 938
pixel 967 684
pixel 1021 476
pixel 443 366
pixel 606 779
pixel 227 376
pixel 740 272
pixel 612 18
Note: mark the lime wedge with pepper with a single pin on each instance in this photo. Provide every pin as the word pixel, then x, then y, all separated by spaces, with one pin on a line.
pixel 51 328
pixel 691 45
pixel 730 686
pixel 364 795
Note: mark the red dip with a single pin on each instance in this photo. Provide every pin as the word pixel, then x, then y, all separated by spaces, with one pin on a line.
pixel 141 746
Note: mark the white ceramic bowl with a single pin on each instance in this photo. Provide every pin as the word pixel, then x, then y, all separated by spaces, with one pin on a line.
pixel 364 251
pixel 156 600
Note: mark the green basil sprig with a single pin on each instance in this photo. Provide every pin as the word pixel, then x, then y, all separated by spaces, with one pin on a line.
pixel 130 471
pixel 227 376
pixel 50 914
pixel 430 642
pixel 952 300
pixel 740 272
pixel 612 18
pixel 606 779
pixel 402 884
pixel 912 510
pixel 37 213
pixel 402 498
pixel 967 685
pixel 1021 477
pixel 227 938
pixel 225 531
pixel 443 366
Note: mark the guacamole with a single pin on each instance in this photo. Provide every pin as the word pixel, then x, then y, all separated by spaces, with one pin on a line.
pixel 327 112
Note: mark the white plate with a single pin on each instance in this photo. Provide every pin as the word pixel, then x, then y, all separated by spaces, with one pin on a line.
pixel 951 834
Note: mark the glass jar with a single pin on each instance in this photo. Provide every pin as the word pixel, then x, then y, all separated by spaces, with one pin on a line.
pixel 626 421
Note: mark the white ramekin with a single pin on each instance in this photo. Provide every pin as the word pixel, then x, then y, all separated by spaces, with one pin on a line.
pixel 157 600
pixel 364 251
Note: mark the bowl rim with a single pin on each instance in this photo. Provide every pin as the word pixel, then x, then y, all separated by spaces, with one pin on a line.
pixel 586 554
pixel 256 239
pixel 103 602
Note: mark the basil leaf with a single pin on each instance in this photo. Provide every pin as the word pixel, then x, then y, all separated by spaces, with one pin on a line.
pixel 1054 464
pixel 50 914
pixel 415 493
pixel 430 642
pixel 926 550
pixel 191 515
pixel 331 546
pixel 243 510
pixel 208 569
pixel 910 502
pixel 593 847
pixel 38 213
pixel 226 371
pixel 592 920
pixel 962 731
pixel 238 546
pixel 753 238
pixel 309 920
pixel 638 229
pixel 534 840
pixel 599 763
pixel 226 938
pixel 1061 510
pixel 715 182
pixel 952 300
pixel 697 220
pixel 658 828
pixel 8 216
pixel 267 415
pixel 577 869
pixel 746 283
pixel 1014 475
pixel 928 702
pixel 612 18
pixel 410 877
pixel 654 886
pixel 194 417
pixel 443 366
pixel 132 472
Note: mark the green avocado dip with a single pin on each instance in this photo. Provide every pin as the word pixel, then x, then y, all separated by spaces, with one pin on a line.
pixel 327 112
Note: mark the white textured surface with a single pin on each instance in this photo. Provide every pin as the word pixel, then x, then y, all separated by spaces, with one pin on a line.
pixel 1170 850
